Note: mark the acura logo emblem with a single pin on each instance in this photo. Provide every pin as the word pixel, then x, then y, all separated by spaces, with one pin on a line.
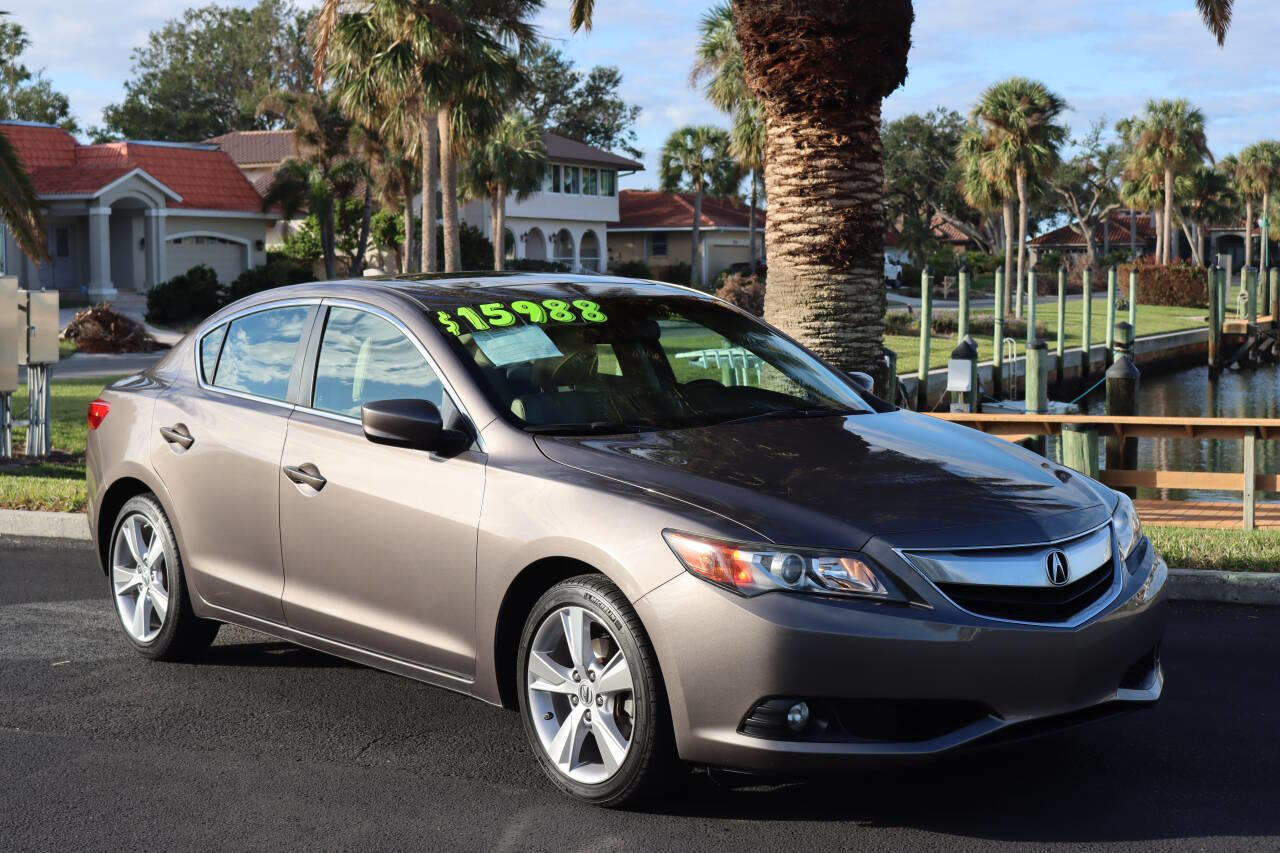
pixel 1057 569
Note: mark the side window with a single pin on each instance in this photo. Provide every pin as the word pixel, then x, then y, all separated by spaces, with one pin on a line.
pixel 363 358
pixel 210 346
pixel 257 357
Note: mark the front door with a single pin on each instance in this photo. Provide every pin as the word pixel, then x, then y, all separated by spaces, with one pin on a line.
pixel 59 272
pixel 217 446
pixel 380 547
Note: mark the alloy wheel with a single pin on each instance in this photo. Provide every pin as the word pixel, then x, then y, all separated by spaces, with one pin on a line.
pixel 138 577
pixel 581 695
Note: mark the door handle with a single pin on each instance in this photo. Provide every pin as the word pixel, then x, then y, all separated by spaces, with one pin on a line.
pixel 178 434
pixel 305 474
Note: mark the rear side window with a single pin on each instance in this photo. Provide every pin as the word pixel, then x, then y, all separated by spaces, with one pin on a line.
pixel 210 346
pixel 363 359
pixel 257 357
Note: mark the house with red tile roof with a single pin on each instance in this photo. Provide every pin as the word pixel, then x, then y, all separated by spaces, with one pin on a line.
pixel 128 215
pixel 565 221
pixel 657 228
pixel 1120 232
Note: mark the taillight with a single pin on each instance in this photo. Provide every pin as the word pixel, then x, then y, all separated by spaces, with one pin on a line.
pixel 98 412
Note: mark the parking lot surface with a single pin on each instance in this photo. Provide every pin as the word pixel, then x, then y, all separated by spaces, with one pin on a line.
pixel 265 746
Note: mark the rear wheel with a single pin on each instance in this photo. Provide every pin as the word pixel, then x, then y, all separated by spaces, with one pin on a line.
pixel 147 585
pixel 591 695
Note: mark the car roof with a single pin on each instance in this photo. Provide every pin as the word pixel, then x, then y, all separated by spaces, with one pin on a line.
pixel 434 288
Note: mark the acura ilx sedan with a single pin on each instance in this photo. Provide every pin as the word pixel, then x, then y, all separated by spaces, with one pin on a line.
pixel 663 531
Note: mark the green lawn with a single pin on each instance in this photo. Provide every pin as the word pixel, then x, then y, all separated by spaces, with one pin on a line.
pixel 1152 319
pixel 57 484
pixel 1235 550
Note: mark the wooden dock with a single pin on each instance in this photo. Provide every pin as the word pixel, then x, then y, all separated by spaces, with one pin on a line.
pixel 1223 515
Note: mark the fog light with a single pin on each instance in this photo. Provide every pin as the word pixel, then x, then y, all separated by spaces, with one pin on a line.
pixel 798 716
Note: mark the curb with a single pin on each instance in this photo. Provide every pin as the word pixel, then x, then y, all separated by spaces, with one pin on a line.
pixel 1227 587
pixel 1184 584
pixel 57 525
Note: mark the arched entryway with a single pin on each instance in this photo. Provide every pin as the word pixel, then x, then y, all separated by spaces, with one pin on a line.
pixel 508 244
pixel 562 248
pixel 535 245
pixel 589 252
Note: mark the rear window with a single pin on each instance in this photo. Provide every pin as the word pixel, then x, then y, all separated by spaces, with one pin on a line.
pixel 257 357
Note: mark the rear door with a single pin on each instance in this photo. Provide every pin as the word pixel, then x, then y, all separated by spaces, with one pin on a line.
pixel 217 446
pixel 382 555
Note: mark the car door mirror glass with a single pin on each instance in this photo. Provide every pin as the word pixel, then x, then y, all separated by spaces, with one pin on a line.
pixel 863 381
pixel 404 423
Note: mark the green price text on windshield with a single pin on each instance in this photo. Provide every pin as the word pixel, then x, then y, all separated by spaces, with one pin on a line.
pixel 502 314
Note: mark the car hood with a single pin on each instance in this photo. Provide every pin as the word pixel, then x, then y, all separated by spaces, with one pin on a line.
pixel 908 479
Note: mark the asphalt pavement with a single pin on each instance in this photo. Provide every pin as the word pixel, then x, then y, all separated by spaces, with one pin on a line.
pixel 264 746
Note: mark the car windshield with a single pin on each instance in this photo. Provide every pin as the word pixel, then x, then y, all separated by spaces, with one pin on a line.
pixel 610 360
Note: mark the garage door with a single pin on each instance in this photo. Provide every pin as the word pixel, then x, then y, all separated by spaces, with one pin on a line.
pixel 225 257
pixel 721 257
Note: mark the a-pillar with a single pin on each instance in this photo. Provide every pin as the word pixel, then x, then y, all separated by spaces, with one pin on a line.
pixel 100 286
pixel 156 246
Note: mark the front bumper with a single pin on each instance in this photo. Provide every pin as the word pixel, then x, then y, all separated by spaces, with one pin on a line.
pixel 723 654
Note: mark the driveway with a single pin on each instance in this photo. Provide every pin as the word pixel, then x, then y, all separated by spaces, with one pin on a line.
pixel 262 745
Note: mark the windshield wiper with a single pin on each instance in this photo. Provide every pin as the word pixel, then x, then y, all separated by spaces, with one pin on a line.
pixel 588 428
pixel 788 413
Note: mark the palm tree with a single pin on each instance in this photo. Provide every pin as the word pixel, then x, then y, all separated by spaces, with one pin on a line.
pixel 511 162
pixel 19 205
pixel 988 183
pixel 1141 181
pixel 1018 117
pixel 323 173
pixel 1257 173
pixel 718 66
pixel 1204 196
pixel 1170 134
pixel 819 71
pixel 697 158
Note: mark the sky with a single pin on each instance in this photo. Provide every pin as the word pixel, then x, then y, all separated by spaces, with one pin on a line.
pixel 1105 58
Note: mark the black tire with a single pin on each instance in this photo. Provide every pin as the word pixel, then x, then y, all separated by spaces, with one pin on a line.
pixel 182 634
pixel 651 763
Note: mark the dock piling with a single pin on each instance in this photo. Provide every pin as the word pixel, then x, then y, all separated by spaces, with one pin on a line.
pixel 1215 327
pixel 1037 381
pixel 1086 342
pixel 1031 306
pixel 963 319
pixel 926 329
pixel 1251 299
pixel 1133 300
pixel 1111 313
pixel 997 344
pixel 1080 448
pixel 1122 399
pixel 1062 322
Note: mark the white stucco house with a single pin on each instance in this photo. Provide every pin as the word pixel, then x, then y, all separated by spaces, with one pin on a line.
pixel 124 216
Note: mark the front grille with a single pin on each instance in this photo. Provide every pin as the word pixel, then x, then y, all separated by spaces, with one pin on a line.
pixel 1033 603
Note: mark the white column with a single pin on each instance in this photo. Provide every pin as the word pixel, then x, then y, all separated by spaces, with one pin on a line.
pixel 158 248
pixel 100 286
pixel 577 249
pixel 603 241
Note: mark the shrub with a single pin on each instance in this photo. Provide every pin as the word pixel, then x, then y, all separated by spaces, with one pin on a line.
pixel 477 251
pixel 679 273
pixel 980 263
pixel 279 270
pixel 745 291
pixel 535 265
pixel 631 269
pixel 948 324
pixel 1178 283
pixel 185 298
pixel 101 330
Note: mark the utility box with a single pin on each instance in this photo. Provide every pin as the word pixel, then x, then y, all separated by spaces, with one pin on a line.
pixel 12 327
pixel 40 343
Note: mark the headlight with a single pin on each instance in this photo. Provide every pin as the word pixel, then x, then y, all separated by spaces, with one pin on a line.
pixel 1127 526
pixel 753 569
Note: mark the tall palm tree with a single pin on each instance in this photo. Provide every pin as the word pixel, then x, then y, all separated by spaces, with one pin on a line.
pixel 1019 118
pixel 988 183
pixel 1170 134
pixel 1204 196
pixel 323 173
pixel 511 162
pixel 1257 174
pixel 1141 180
pixel 820 69
pixel 19 205
pixel 718 66
pixel 697 158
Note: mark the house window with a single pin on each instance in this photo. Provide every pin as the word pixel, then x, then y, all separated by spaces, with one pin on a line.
pixel 658 244
pixel 551 180
pixel 571 184
pixel 608 182
pixel 590 181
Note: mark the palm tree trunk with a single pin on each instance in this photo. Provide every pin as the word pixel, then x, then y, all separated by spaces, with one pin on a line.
pixel 751 238
pixel 824 235
pixel 449 193
pixel 1167 219
pixel 326 240
pixel 1248 232
pixel 1022 234
pixel 406 259
pixel 1008 255
pixel 366 219
pixel 1159 229
pixel 1202 229
pixel 496 227
pixel 695 272
pixel 430 177
pixel 1264 256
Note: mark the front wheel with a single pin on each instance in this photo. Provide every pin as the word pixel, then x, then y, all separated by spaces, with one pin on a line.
pixel 148 587
pixel 591 695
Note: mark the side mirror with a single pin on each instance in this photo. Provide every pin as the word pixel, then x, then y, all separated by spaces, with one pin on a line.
pixel 863 381
pixel 403 423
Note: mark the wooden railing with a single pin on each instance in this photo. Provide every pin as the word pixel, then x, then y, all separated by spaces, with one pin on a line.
pixel 1246 430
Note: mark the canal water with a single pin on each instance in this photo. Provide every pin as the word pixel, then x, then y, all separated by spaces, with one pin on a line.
pixel 1189 393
